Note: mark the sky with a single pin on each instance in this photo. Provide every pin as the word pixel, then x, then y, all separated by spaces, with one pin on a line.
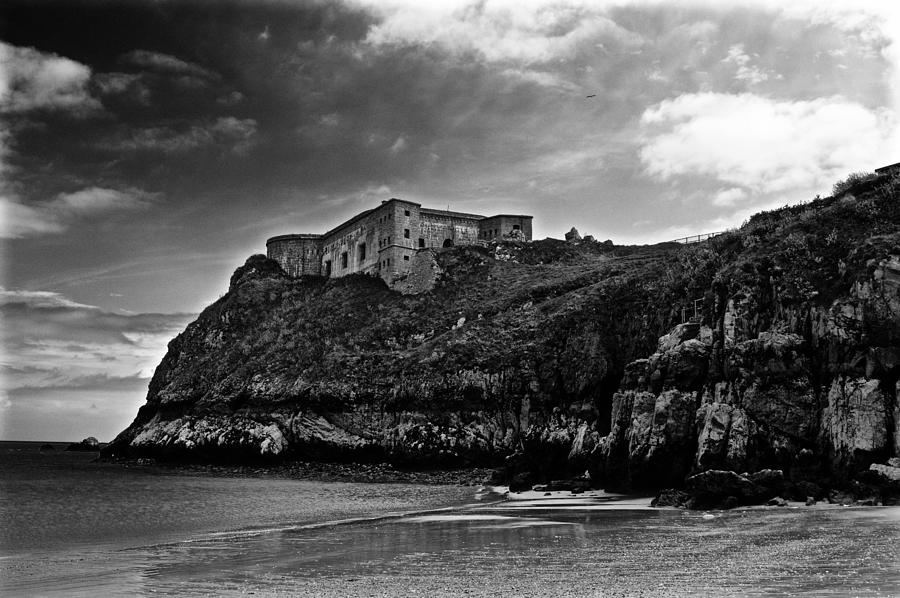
pixel 147 148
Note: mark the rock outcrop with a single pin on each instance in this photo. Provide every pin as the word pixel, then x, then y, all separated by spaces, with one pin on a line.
pixel 89 444
pixel 549 358
pixel 785 377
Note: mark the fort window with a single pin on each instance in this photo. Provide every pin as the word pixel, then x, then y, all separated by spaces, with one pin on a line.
pixel 327 268
pixel 421 242
pixel 406 212
pixel 362 252
pixel 344 260
pixel 448 242
pixel 405 258
pixel 405 233
pixel 516 227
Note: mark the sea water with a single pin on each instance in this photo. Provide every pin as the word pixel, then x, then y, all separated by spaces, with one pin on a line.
pixel 71 527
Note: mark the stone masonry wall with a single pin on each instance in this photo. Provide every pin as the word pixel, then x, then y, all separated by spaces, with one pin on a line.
pixel 438 228
pixel 297 254
pixel 497 226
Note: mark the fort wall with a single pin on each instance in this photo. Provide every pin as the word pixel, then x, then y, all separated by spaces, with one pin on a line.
pixel 445 229
pixel 384 241
pixel 495 227
pixel 297 254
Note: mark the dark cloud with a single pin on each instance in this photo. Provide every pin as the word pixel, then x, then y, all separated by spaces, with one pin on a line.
pixel 167 64
pixel 128 87
pixel 93 382
pixel 229 134
pixel 32 319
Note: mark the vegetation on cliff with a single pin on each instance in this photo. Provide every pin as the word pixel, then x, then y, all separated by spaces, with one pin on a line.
pixel 551 352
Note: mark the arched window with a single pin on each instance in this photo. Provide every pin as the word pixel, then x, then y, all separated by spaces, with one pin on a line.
pixel 448 242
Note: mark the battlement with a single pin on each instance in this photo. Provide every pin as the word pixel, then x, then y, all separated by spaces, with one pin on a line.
pixel 384 241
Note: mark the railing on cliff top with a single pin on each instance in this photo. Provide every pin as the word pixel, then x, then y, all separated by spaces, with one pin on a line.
pixel 698 238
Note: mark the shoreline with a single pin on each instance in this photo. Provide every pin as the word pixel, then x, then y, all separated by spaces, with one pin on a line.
pixel 315 471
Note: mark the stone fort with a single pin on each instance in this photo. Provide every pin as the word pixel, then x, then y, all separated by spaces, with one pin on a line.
pixel 385 240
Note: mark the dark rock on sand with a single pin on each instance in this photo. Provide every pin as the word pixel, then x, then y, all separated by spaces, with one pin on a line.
pixel 521 482
pixel 89 444
pixel 722 488
pixel 671 498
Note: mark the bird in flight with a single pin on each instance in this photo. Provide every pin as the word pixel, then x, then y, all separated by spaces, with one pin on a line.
pixel 593 95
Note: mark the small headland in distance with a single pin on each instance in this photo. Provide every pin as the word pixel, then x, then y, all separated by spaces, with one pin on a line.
pixel 761 364
pixel 87 445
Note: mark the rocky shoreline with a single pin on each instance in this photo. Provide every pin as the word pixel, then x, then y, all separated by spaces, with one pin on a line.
pixel 709 490
pixel 319 471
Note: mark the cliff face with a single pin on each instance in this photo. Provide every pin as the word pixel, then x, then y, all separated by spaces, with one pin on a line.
pixel 511 345
pixel 569 356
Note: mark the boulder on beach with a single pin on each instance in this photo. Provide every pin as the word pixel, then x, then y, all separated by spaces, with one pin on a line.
pixel 718 489
pixel 87 445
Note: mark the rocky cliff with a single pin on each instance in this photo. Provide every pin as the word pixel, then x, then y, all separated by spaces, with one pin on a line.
pixel 773 346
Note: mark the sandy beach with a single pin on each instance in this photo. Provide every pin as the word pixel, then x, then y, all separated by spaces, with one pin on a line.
pixel 70 527
pixel 557 545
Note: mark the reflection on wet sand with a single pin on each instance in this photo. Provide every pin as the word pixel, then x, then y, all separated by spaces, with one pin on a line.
pixel 749 553
pixel 554 546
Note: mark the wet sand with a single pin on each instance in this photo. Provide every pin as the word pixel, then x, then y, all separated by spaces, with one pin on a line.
pixel 558 545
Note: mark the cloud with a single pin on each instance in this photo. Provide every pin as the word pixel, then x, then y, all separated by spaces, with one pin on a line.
pixel 729 197
pixel 166 64
pixel 130 85
pixel 763 145
pixel 115 82
pixel 58 380
pixel 231 98
pixel 162 82
pixel 544 79
pixel 330 120
pixel 33 80
pixel 745 70
pixel 38 299
pixel 238 132
pixel 230 133
pixel 23 220
pixel 52 341
pixel 58 357
pixel 399 145
pixel 97 200
pixel 500 31
pixel 18 220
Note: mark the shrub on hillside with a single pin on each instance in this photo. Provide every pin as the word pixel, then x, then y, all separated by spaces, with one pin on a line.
pixel 853 179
